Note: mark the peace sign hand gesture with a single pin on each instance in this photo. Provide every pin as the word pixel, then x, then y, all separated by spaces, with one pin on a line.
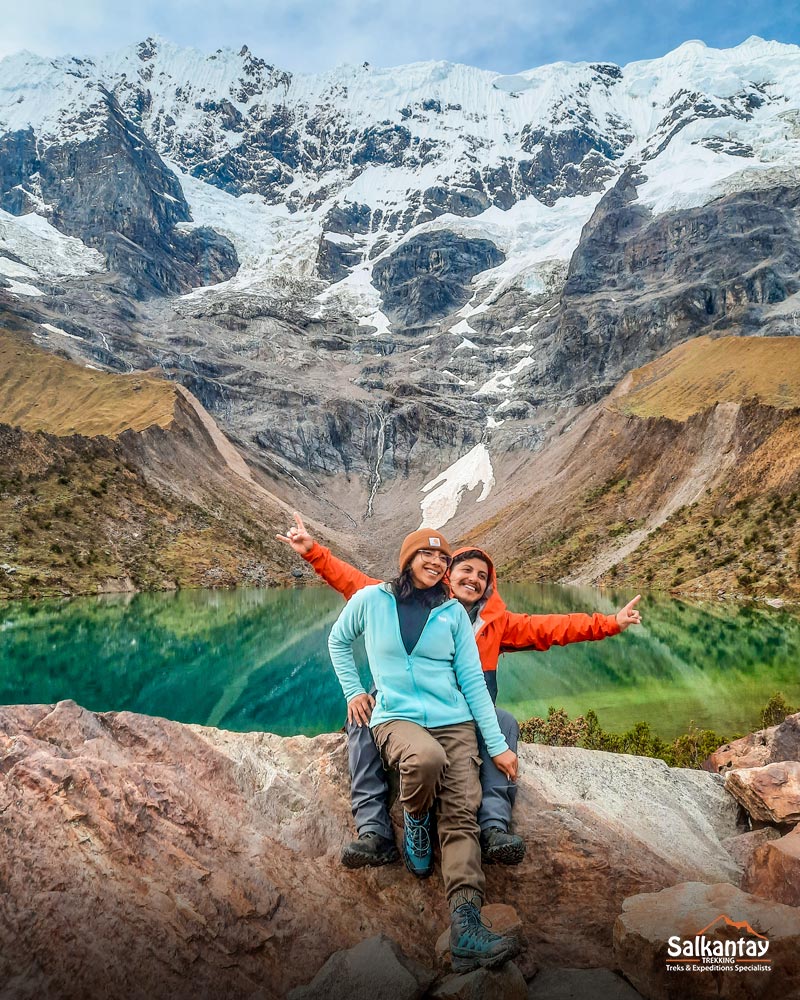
pixel 629 615
pixel 298 537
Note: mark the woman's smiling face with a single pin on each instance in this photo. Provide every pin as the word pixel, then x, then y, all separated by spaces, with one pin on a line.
pixel 427 568
pixel 469 579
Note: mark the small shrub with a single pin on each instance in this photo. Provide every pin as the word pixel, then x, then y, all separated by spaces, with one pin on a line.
pixel 775 711
pixel 556 730
pixel 688 750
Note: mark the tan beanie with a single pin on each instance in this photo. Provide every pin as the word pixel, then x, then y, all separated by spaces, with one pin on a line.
pixel 425 538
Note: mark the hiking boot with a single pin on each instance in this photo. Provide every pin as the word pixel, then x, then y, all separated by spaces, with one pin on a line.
pixel 473 945
pixel 501 848
pixel 417 847
pixel 369 851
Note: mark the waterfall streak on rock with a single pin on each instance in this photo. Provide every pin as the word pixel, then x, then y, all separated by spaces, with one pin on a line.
pixel 376 475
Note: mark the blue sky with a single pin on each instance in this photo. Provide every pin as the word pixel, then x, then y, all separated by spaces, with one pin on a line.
pixel 313 35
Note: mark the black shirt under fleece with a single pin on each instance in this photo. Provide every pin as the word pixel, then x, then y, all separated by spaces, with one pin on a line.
pixel 413 613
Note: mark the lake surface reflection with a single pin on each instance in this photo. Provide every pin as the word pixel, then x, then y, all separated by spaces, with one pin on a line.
pixel 258 660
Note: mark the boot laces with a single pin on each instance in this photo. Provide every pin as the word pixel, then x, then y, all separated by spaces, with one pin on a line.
pixel 476 931
pixel 420 839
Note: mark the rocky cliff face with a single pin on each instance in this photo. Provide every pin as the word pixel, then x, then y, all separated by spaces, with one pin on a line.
pixel 650 283
pixel 110 189
pixel 391 267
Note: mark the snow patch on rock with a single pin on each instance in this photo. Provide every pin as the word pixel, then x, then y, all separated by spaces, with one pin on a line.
pixel 445 490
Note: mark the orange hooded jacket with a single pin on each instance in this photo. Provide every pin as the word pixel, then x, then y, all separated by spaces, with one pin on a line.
pixel 497 630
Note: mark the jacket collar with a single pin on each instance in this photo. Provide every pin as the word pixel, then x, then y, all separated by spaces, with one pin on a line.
pixel 387 589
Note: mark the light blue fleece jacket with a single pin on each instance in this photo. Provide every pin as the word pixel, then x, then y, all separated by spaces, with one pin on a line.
pixel 440 683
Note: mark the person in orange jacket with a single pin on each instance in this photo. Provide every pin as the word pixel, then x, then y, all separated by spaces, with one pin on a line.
pixel 473 582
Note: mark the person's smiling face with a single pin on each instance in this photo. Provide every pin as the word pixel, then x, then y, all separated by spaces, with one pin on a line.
pixel 427 568
pixel 469 579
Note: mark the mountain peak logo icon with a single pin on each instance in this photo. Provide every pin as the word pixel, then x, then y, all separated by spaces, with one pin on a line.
pixel 719 948
pixel 739 925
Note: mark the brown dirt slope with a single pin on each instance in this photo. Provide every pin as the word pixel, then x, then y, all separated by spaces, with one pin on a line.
pixel 42 392
pixel 705 371
pixel 686 478
pixel 119 483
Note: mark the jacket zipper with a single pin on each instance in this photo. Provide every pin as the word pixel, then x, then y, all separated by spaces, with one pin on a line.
pixel 409 656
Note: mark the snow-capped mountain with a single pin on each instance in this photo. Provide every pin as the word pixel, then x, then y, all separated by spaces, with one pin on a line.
pixel 374 271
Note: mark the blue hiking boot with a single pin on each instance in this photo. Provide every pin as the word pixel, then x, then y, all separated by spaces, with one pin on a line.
pixel 473 945
pixel 417 847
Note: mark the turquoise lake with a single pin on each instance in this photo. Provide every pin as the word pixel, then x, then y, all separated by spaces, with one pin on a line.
pixel 258 660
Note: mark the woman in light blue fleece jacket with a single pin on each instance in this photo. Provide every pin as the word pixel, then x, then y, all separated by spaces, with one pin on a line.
pixel 430 693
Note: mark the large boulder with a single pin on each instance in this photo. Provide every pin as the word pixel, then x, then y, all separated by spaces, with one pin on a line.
pixel 742 847
pixel 506 983
pixel 375 969
pixel 773 869
pixel 141 857
pixel 770 793
pixel 694 919
pixel 767 746
pixel 597 824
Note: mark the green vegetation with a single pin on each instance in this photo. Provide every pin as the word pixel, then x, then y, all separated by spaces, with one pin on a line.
pixel 740 531
pixel 77 517
pixel 775 711
pixel 748 545
pixel 81 508
pixel 687 750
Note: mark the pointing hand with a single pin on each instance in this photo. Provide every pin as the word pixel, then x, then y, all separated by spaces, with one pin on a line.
pixel 298 537
pixel 629 615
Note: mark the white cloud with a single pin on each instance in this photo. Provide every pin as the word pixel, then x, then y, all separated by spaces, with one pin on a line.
pixel 307 35
pixel 315 35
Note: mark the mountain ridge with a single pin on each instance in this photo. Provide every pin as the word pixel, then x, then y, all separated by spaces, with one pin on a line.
pixel 365 275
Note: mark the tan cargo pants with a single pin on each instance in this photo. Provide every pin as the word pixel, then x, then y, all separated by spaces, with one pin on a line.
pixel 441 764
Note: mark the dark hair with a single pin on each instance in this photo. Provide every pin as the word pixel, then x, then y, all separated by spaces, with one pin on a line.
pixel 431 597
pixel 471 554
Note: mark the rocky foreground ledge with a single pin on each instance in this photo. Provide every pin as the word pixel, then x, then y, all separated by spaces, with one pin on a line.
pixel 145 858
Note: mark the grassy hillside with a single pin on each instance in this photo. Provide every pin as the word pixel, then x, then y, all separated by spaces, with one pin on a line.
pixel 84 509
pixel 687 478
pixel 703 372
pixel 42 392
pixel 741 536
